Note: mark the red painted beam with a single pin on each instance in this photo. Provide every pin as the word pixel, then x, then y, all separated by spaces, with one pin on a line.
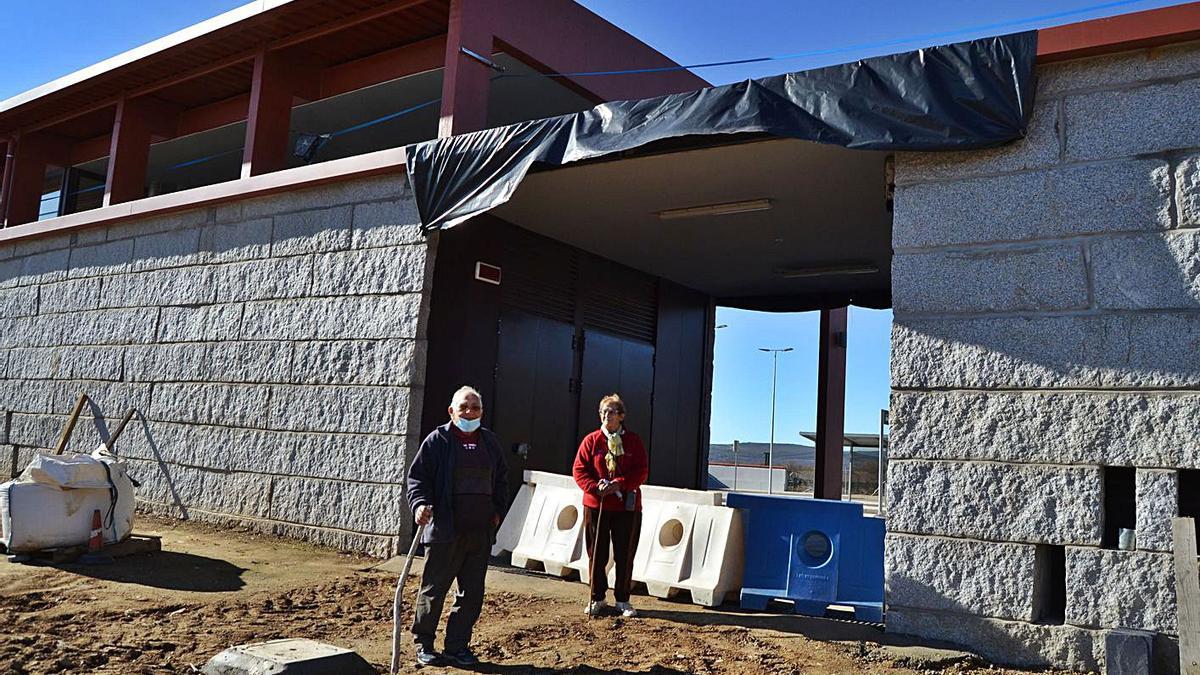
pixel 34 152
pixel 831 403
pixel 91 149
pixel 565 37
pixel 402 61
pixel 418 57
pixel 465 82
pixel 277 79
pixel 6 180
pixel 1151 28
pixel 213 115
pixel 138 121
pixel 345 22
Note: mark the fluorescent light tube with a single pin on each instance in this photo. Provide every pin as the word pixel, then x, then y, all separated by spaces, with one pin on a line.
pixel 829 271
pixel 716 209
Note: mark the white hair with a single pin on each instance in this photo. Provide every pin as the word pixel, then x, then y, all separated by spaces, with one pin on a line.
pixel 462 394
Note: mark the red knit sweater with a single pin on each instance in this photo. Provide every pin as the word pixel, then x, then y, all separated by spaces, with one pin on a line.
pixel 632 469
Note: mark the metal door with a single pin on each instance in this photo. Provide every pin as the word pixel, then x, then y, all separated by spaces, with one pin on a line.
pixel 534 408
pixel 619 365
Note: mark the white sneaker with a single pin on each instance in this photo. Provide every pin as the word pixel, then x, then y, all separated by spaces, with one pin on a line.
pixel 594 608
pixel 626 610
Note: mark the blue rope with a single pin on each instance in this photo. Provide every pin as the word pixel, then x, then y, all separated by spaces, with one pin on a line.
pixel 192 162
pixel 864 46
pixel 927 37
pixel 385 118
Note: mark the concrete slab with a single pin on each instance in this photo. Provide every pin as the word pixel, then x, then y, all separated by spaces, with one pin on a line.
pixel 292 656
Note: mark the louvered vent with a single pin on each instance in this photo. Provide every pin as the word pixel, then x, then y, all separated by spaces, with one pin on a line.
pixel 621 301
pixel 541 276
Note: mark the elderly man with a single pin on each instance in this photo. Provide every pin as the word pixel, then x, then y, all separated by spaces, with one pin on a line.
pixel 458 489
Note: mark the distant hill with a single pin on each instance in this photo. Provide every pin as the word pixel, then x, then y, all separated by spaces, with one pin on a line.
pixel 800 461
pixel 785 453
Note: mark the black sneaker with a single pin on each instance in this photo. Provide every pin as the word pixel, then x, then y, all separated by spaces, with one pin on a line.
pixel 462 658
pixel 427 657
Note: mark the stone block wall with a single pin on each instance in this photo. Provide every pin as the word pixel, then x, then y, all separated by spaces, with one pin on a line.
pixel 274 348
pixel 1047 333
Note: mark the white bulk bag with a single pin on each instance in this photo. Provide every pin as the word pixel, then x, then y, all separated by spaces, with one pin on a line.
pixel 51 504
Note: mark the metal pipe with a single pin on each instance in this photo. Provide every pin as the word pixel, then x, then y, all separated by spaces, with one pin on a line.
pixel 771 447
pixel 883 421
pixel 735 464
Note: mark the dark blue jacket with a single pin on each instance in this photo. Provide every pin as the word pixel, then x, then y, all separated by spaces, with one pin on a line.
pixel 431 481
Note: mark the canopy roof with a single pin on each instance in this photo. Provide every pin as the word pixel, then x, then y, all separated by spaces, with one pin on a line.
pixel 671 186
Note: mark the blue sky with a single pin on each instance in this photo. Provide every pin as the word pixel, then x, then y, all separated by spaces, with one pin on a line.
pixel 53 39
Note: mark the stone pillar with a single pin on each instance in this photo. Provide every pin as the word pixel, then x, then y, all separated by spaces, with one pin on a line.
pixel 1047 330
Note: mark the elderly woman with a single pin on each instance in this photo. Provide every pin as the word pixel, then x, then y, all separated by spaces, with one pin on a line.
pixel 610 467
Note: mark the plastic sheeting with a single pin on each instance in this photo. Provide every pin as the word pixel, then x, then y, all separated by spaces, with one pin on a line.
pixel 967 95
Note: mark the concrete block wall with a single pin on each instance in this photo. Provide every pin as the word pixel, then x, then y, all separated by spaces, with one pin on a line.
pixel 1047 327
pixel 275 347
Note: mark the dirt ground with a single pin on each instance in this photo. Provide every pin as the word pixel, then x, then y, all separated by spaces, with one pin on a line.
pixel 210 588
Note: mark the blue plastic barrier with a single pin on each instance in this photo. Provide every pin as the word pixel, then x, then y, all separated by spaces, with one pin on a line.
pixel 814 552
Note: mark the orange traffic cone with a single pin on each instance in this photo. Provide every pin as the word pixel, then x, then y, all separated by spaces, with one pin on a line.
pixel 96 540
pixel 96 543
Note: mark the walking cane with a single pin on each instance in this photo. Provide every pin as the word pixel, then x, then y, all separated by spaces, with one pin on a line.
pixel 398 603
pixel 595 548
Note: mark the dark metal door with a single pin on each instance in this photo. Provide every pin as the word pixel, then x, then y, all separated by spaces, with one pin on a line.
pixel 621 365
pixel 534 408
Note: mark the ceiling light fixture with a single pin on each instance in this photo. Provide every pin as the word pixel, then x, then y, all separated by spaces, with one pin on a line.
pixel 716 209
pixel 828 271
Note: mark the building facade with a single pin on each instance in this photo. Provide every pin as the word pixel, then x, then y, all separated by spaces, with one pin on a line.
pixel 165 250
pixel 1046 352
pixel 287 331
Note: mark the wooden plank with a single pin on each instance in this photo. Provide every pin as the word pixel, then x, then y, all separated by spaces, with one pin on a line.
pixel 136 544
pixel 1187 594
pixel 66 434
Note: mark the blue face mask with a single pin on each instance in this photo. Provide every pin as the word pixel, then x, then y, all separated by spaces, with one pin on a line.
pixel 467 426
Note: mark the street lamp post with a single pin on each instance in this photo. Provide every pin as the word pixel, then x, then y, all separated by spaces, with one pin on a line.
pixel 771 447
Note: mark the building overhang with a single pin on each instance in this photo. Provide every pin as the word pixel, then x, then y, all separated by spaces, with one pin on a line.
pixel 221 43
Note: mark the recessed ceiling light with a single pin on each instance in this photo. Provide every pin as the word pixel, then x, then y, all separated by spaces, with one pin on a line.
pixel 716 209
pixel 827 271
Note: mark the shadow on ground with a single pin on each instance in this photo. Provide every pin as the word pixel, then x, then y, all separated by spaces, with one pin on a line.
pixel 167 569
pixel 519 669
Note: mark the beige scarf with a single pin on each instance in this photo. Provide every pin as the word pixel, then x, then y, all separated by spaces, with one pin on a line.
pixel 615 449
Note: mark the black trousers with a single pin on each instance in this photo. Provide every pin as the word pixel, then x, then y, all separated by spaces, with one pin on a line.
pixel 465 560
pixel 622 529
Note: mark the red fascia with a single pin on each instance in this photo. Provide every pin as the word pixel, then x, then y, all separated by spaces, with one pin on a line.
pixel 1151 28
pixel 565 37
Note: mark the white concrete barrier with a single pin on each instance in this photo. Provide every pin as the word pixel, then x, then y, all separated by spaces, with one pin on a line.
pixel 509 534
pixel 688 542
pixel 552 528
pixel 717 556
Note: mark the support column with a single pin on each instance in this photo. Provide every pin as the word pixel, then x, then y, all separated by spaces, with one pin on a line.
pixel 466 81
pixel 831 403
pixel 34 152
pixel 138 121
pixel 6 178
pixel 279 78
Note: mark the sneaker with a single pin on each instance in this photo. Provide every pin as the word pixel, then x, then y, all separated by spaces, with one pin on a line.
pixel 594 608
pixel 626 610
pixel 463 658
pixel 427 657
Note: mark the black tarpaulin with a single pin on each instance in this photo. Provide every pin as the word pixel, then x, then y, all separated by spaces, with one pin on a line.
pixel 966 95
